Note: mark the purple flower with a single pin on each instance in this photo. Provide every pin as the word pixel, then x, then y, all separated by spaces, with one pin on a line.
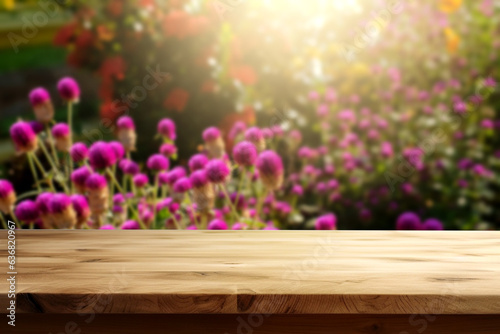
pixel 59 203
pixel 210 134
pixel 68 89
pixel 36 126
pixel 125 123
pixel 254 135
pixel 6 189
pixel 408 221
pixel 39 96
pixel 158 162
pixel 267 133
pixel 197 161
pixel 118 149
pixel 296 136
pixel 237 129
pixel 270 169
pixel 107 227
pixel 245 153
pixel 27 211
pixel 79 152
pixel 23 136
pixel 175 174
pixel 130 225
pixel 168 150
pixel 166 128
pixel 199 178
pixel 239 226
pixel 102 155
pixel 81 206
pixel 140 180
pixel 182 185
pixel 326 222
pixel 297 190
pixel 313 96
pixel 60 130
pixel 217 171
pixel 96 182
pixel 217 224
pixel 129 167
pixel 79 177
pixel 432 224
pixel 42 202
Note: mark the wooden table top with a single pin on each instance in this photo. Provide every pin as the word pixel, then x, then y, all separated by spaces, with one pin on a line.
pixel 279 272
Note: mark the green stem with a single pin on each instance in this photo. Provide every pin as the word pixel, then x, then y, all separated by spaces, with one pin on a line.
pixel 52 145
pixel 233 208
pixel 4 223
pixel 33 171
pixel 30 193
pixel 14 218
pixel 155 197
pixel 52 164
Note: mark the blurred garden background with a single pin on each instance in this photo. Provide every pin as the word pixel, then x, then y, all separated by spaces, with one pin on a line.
pixel 376 107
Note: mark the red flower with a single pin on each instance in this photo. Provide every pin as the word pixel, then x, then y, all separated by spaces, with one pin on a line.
pixel 176 99
pixel 65 34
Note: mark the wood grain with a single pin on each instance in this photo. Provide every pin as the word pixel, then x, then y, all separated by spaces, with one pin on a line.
pixel 264 272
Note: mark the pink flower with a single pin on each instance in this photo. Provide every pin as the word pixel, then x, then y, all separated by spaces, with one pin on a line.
pixel 27 211
pixel 140 180
pixel 102 155
pixel 96 182
pixel 166 128
pixel 39 96
pixel 130 225
pixel 125 122
pixel 158 162
pixel 23 136
pixel 270 167
pixel 326 222
pixel 168 150
pixel 79 152
pixel 79 177
pixel 211 134
pixel 408 221
pixel 68 89
pixel 245 154
pixel 182 185
pixel 217 171
pixel 197 161
pixel 217 224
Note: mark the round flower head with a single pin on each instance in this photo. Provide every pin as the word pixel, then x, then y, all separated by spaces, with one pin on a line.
pixel 140 180
pixel 68 89
pixel 166 128
pixel 270 169
pixel 96 182
pixel 129 167
pixel 197 161
pixel 107 227
pixel 101 155
pixel 125 123
pixel 130 225
pixel 239 226
pixel 42 203
pixel 27 211
pixel 296 137
pixel 36 126
pixel 199 178
pixel 297 190
pixel 408 221
pixel 245 154
pixel 7 196
pixel 158 162
pixel 326 222
pixel 267 133
pixel 237 129
pixel 42 106
pixel 163 178
pixel 118 149
pixel 175 174
pixel 217 171
pixel 23 136
pixel 168 150
pixel 61 209
pixel 79 177
pixel 39 96
pixel 79 152
pixel 211 134
pixel 182 185
pixel 217 224
pixel 61 133
pixel 256 137
pixel 432 224
pixel 82 209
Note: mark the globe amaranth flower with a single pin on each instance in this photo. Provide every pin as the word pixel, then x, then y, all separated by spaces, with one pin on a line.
pixel 101 155
pixel 62 136
pixel 203 190
pixel 158 162
pixel 62 211
pixel 7 196
pixel 326 222
pixel 23 136
pixel 433 225
pixel 129 167
pixel 126 133
pixel 256 137
pixel 68 89
pixel 270 167
pixel 245 153
pixel 175 174
pixel 140 180
pixel 79 152
pixel 82 209
pixel 79 178
pixel 98 197
pixel 217 171
pixel 217 224
pixel 237 130
pixel 130 225
pixel 42 105
pixel 27 211
pixel 182 185
pixel 197 161
pixel 214 143
pixel 408 221
pixel 118 149
pixel 168 150
pixel 166 128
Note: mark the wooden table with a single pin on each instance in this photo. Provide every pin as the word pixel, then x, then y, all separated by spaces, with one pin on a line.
pixel 254 282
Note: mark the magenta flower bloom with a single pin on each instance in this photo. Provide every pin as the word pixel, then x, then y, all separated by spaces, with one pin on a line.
pixel 27 211
pixel 254 135
pixel 129 167
pixel 140 180
pixel 158 162
pixel 60 130
pixel 199 178
pixel 239 226
pixel 118 149
pixel 175 174
pixel 237 129
pixel 125 123
pixel 166 128
pixel 326 222
pixel 432 224
pixel 59 203
pixel 81 206
pixel 79 177
pixel 39 96
pixel 217 171
pixel 107 227
pixel 386 150
pixel 23 136
pixel 408 221
pixel 245 154
pixel 96 182
pixel 42 202
pixel 270 168
pixel 267 133
pixel 130 225
pixel 168 150
pixel 211 134
pixel 296 136
pixel 297 190
pixel 68 89
pixel 197 161
pixel 102 155
pixel 182 185
pixel 217 224
pixel 36 126
pixel 79 152
pixel 6 189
